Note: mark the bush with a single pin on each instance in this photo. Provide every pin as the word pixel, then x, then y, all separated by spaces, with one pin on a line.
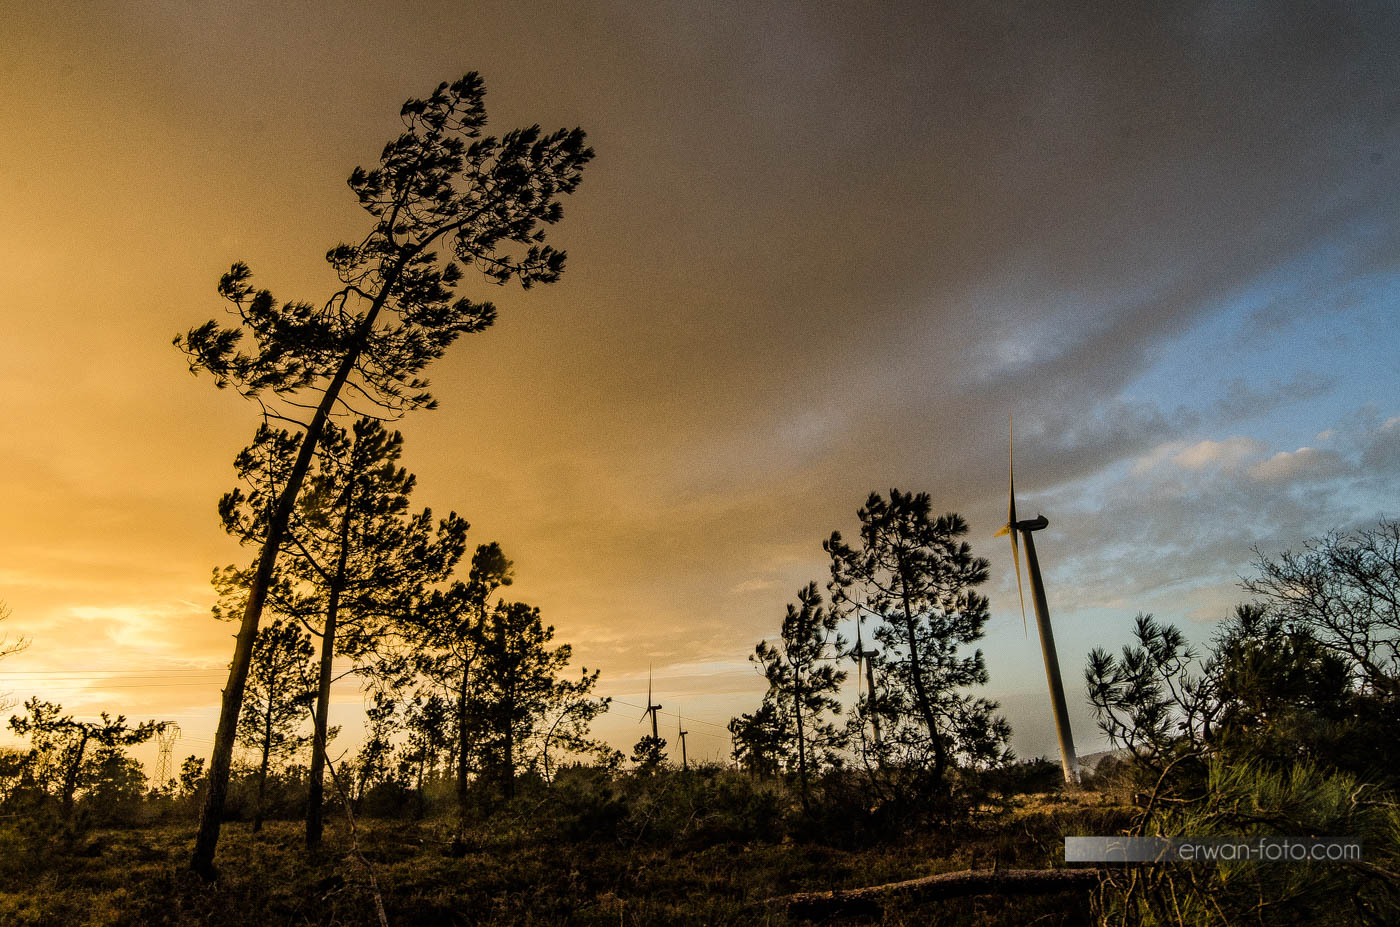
pixel 1250 800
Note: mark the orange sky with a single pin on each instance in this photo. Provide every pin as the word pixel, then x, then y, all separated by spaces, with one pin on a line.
pixel 822 250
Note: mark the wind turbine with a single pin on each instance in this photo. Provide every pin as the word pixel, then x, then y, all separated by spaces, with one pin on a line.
pixel 1069 760
pixel 651 708
pixel 684 765
pixel 864 656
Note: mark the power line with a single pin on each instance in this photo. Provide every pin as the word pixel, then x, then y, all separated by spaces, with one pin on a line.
pixel 97 684
pixel 676 713
pixel 103 674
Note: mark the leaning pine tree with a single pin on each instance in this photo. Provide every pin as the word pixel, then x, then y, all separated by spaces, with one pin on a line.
pixel 441 185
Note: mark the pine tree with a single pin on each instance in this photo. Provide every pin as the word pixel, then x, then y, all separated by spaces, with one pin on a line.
pixel 802 676
pixel 427 719
pixel 356 561
pixel 913 574
pixel 447 629
pixel 441 185
pixel 275 700
pixel 58 753
pixel 759 744
pixel 519 686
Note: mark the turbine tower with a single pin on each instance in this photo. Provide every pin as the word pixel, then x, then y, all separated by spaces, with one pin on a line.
pixel 684 764
pixel 652 708
pixel 1069 760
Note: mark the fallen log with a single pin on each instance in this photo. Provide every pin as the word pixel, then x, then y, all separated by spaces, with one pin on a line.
pixel 869 901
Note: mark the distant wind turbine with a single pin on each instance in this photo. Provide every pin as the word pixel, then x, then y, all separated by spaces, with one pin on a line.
pixel 684 764
pixel 651 708
pixel 1069 760
pixel 862 655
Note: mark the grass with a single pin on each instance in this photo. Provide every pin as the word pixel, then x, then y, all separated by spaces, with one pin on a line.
pixel 535 863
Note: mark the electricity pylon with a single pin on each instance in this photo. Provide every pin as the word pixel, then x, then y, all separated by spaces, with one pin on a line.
pixel 1069 760
pixel 166 734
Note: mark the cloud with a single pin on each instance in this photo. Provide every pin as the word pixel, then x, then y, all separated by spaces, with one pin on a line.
pixel 1226 455
pixel 1242 401
pixel 1381 455
pixel 1305 465
pixel 753 585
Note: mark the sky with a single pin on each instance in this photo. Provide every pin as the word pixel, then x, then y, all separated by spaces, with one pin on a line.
pixel 824 249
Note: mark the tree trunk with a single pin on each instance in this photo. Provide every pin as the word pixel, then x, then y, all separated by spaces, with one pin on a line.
pixel 266 756
pixel 801 741
pixel 315 788
pixel 70 778
pixel 940 750
pixel 462 738
pixel 221 757
pixel 869 902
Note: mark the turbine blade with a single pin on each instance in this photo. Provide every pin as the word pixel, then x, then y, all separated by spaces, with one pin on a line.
pixel 1016 556
pixel 1011 469
pixel 1011 514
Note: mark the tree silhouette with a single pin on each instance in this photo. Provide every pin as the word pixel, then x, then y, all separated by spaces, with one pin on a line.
pixel 759 744
pixel 427 720
pixel 1344 591
pixel 274 702
pixel 1276 729
pixel 356 561
pixel 1266 691
pixel 59 744
pixel 372 762
pixel 802 675
pixel 8 647
pixel 913 574
pixel 448 625
pixel 518 690
pixel 441 185
pixel 649 753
